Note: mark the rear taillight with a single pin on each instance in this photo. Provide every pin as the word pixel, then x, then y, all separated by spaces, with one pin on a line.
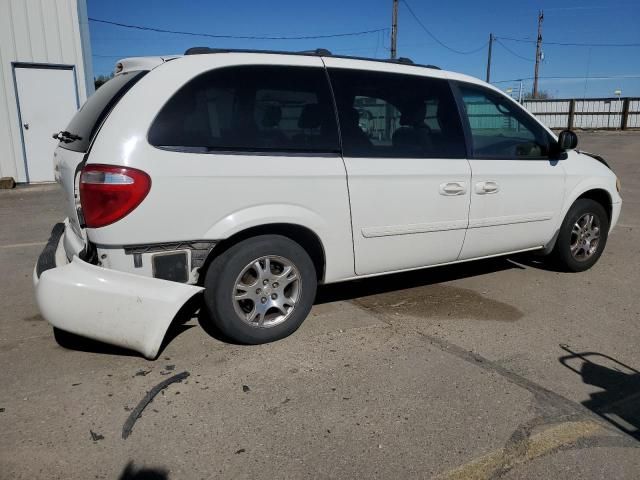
pixel 109 193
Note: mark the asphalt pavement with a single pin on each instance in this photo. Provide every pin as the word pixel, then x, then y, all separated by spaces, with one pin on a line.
pixel 501 368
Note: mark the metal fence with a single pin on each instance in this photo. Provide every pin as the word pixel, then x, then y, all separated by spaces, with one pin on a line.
pixel 593 113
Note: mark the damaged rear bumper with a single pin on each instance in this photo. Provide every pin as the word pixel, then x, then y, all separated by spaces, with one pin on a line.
pixel 115 307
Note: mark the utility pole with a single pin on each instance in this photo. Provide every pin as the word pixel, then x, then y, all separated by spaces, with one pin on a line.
pixel 489 58
pixel 388 111
pixel 538 54
pixel 394 30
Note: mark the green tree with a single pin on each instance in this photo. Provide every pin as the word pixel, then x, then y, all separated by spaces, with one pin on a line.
pixel 542 95
pixel 101 80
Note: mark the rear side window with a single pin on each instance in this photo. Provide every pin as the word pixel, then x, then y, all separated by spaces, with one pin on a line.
pixel 87 120
pixel 394 115
pixel 250 108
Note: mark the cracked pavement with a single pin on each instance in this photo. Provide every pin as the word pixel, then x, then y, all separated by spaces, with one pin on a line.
pixel 494 369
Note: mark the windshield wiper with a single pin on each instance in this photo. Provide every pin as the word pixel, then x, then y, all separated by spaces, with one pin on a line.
pixel 66 137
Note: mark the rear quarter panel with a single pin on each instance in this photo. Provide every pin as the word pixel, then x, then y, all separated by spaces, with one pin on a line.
pixel 212 196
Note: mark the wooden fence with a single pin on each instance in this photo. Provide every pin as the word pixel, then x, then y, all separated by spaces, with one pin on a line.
pixel 593 113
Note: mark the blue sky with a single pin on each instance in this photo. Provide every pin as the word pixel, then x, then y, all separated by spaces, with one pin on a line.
pixel 462 25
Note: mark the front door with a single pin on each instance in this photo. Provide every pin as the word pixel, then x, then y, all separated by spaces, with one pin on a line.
pixel 516 187
pixel 47 100
pixel 405 158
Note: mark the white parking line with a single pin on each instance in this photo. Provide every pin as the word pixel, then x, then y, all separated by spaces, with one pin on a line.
pixel 22 245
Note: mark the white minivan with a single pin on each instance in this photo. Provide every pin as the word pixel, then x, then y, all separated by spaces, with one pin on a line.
pixel 250 177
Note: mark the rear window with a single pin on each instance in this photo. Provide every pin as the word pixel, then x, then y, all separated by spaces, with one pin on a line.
pixel 87 120
pixel 250 108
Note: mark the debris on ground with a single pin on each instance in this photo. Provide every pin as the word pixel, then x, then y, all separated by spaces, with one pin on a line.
pixel 245 388
pixel 170 367
pixel 142 373
pixel 135 414
pixel 242 450
pixel 2 410
pixel 7 183
pixel 96 436
pixel 76 384
pixel 399 304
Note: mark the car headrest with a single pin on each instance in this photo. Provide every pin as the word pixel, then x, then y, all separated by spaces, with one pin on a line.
pixel 310 117
pixel 413 114
pixel 272 116
pixel 447 119
pixel 352 117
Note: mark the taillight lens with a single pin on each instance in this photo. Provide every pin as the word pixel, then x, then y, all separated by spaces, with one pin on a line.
pixel 109 193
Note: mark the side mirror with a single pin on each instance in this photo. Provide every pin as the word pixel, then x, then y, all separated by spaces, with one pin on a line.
pixel 567 140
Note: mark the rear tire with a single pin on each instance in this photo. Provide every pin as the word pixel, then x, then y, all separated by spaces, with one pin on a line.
pixel 261 289
pixel 582 237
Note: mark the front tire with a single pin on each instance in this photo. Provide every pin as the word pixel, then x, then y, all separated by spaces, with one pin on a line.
pixel 582 237
pixel 261 289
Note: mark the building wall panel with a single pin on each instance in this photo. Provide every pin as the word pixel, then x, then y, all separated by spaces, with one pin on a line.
pixel 43 32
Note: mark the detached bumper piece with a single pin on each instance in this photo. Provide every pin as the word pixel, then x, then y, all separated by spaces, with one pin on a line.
pixel 47 259
pixel 110 306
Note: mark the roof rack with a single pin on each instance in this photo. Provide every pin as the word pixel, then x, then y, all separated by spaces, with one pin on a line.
pixel 206 50
pixel 321 52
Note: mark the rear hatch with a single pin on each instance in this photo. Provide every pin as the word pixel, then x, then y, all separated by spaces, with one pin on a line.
pixel 75 145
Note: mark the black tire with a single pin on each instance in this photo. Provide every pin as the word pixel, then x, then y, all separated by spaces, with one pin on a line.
pixel 562 250
pixel 220 286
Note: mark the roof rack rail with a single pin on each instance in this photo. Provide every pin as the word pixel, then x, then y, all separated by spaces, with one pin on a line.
pixel 321 52
pixel 203 50
pixel 206 50
pixel 405 60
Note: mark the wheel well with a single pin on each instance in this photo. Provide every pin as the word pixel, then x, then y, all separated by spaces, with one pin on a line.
pixel 600 196
pixel 303 236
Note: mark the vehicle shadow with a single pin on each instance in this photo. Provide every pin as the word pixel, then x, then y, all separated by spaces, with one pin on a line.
pixel 416 278
pixel 131 472
pixel 354 289
pixel 71 341
pixel 350 290
pixel 539 262
pixel 619 400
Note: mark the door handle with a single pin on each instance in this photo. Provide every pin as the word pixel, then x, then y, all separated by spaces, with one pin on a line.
pixel 483 188
pixel 26 126
pixel 453 188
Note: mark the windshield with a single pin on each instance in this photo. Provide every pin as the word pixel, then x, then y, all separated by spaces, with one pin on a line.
pixel 86 122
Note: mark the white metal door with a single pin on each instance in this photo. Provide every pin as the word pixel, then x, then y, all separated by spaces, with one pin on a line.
pixel 516 186
pixel 514 205
pixel 407 212
pixel 407 172
pixel 47 100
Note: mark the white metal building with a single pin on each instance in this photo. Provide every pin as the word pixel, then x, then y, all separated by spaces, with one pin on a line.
pixel 45 75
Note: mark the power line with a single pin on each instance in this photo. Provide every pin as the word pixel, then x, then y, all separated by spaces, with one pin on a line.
pixel 112 56
pixel 437 40
pixel 238 37
pixel 512 52
pixel 592 77
pixel 569 44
